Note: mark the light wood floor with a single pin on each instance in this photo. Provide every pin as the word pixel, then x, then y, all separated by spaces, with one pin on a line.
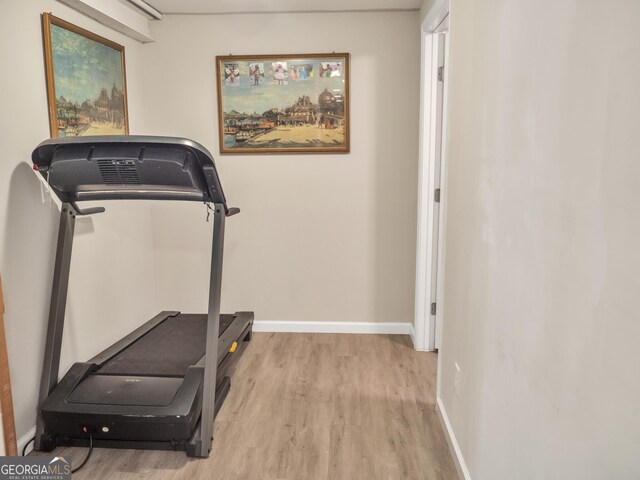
pixel 311 406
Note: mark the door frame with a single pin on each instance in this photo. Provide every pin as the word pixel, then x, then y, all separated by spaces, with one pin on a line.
pixel 428 327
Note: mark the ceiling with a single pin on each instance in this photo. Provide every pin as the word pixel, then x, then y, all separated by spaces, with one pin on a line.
pixel 264 6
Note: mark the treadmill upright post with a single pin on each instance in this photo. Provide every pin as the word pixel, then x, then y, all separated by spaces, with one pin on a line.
pixel 204 442
pixel 57 309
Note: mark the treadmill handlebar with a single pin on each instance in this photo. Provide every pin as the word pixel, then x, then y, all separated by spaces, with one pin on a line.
pixel 87 211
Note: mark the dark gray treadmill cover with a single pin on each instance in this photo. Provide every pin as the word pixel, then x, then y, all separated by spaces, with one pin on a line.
pixel 126 390
pixel 114 167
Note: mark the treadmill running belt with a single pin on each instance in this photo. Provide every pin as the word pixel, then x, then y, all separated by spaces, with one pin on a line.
pixel 168 350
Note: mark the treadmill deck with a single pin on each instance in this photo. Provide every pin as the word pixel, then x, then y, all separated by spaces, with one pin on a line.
pixel 145 388
pixel 166 351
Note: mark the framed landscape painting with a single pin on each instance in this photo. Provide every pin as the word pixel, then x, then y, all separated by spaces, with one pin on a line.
pixel 283 103
pixel 86 85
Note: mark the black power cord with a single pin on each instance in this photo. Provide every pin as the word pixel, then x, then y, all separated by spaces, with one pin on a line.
pixel 84 462
pixel 86 459
pixel 24 449
pixel 209 210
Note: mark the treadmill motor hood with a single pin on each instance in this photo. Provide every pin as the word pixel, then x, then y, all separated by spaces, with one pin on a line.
pixel 124 167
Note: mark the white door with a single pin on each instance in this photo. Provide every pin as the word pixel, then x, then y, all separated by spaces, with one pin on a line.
pixel 429 263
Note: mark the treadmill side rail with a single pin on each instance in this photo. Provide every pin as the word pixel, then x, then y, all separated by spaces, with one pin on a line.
pixel 53 346
pixel 202 441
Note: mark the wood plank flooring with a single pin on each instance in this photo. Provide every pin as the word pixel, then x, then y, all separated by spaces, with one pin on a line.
pixel 310 406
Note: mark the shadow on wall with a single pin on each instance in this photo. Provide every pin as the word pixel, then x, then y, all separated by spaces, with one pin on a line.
pixel 28 252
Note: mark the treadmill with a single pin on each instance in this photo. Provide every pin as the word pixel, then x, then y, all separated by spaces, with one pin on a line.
pixel 161 386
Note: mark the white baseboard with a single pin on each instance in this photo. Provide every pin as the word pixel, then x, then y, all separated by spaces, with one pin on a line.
pixel 22 441
pixel 412 334
pixel 458 459
pixel 291 326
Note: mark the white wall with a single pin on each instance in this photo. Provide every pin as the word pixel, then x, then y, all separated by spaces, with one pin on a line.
pixel 542 282
pixel 320 237
pixel 327 237
pixel 111 288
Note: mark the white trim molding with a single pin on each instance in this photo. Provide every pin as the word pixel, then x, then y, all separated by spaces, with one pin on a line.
pixel 295 326
pixel 22 441
pixel 421 317
pixel 146 9
pixel 127 20
pixel 432 175
pixel 454 447
pixel 437 13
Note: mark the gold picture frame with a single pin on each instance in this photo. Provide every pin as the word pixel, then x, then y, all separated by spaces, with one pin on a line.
pixel 86 81
pixel 292 103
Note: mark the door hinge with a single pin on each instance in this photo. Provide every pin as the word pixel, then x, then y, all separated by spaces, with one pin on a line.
pixel 433 308
pixel 436 195
pixel 441 74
